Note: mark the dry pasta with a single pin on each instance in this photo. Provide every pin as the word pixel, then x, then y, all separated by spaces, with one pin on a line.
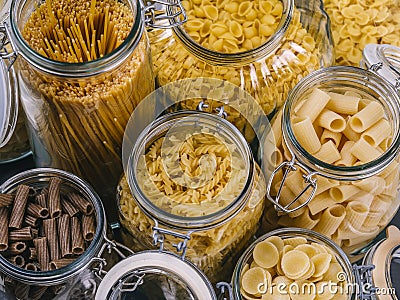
pixel 307 264
pixel 350 212
pixel 237 27
pixel 212 249
pixel 358 23
pixel 79 123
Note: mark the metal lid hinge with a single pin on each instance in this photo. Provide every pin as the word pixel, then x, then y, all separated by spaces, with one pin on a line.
pixel 363 279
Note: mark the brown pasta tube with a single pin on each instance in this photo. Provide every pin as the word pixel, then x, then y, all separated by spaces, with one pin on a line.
pixel 37 211
pixel 64 232
pixel 16 248
pixel 59 263
pixel 32 253
pixel 37 292
pixel 69 208
pixel 32 266
pixel 50 230
pixel 54 197
pixel 6 199
pixel 41 200
pixel 18 211
pixel 77 238
pixel 83 205
pixel 17 260
pixel 31 221
pixel 21 291
pixel 23 234
pixel 42 253
pixel 88 227
pixel 3 228
pixel 35 233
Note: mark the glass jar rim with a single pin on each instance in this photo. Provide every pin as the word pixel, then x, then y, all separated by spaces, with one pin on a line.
pixel 152 131
pixel 290 232
pixel 220 58
pixel 349 75
pixel 59 275
pixel 76 70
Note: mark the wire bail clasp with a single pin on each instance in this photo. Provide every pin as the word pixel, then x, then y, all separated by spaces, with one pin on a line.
pixel 7 48
pixel 364 285
pixel 163 14
pixel 309 179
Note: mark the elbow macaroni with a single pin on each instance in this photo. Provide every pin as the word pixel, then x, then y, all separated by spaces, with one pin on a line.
pixel 353 212
pixel 358 23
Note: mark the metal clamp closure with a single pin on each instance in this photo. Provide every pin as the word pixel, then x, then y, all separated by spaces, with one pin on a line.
pixel 174 14
pixel 100 262
pixel 131 282
pixel 287 167
pixel 5 52
pixel 225 291
pixel 376 67
pixel 219 110
pixel 159 239
pixel 364 286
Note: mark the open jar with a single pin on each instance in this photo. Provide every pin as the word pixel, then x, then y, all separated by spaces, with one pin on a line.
pixel 192 185
pixel 80 81
pixel 264 47
pixel 57 263
pixel 338 175
pixel 358 23
pixel 302 264
pixel 14 143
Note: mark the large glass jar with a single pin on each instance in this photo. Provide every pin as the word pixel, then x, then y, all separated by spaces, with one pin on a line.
pixel 330 274
pixel 78 279
pixel 191 183
pixel 358 23
pixel 14 143
pixel 80 81
pixel 338 175
pixel 273 45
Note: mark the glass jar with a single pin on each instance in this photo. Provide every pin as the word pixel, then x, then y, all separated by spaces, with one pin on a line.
pixel 340 280
pixel 155 275
pixel 384 60
pixel 78 87
pixel 210 214
pixel 384 255
pixel 14 142
pixel 77 279
pixel 299 44
pixel 335 188
pixel 358 23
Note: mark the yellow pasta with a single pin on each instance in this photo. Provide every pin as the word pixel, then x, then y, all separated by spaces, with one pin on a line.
pixel 343 104
pixel 252 279
pixel 295 264
pixel 305 133
pixel 342 193
pixel 331 219
pixel 266 254
pixel 320 203
pixel 356 213
pixel 346 158
pixel 328 135
pixel 367 117
pixel 331 121
pixel 377 133
pixel 364 152
pixel 314 105
pixel 328 153
pixel 321 262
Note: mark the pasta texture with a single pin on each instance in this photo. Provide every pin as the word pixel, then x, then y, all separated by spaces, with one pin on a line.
pixel 349 212
pixel 78 123
pixel 295 271
pixel 357 23
pixel 212 250
pixel 236 27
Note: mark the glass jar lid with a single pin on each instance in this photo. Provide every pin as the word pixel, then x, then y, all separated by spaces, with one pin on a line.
pixel 155 275
pixel 385 258
pixel 384 60
pixel 191 170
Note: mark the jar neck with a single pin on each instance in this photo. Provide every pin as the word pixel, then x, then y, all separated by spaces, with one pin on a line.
pixel 352 78
pixel 157 130
pixel 38 178
pixel 18 18
pixel 240 58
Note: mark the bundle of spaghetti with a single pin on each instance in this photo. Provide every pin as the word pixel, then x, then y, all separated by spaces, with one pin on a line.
pixel 81 121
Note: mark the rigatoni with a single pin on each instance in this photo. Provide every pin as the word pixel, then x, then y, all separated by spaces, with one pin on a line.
pixel 76 236
pixel 54 197
pixel 88 227
pixel 6 199
pixel 23 234
pixel 17 213
pixel 42 253
pixel 83 205
pixel 4 227
pixel 50 229
pixel 60 263
pixel 64 232
pixel 37 210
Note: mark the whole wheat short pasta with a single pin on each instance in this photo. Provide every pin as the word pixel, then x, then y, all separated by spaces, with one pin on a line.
pixel 17 213
pixel 342 209
pixel 6 200
pixel 50 229
pixel 54 197
pixel 3 224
